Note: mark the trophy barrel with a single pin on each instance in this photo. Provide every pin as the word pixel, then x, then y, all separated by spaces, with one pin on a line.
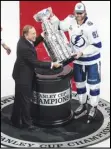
pixel 51 105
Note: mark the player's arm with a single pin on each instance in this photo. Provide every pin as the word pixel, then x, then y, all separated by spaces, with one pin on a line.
pixel 61 25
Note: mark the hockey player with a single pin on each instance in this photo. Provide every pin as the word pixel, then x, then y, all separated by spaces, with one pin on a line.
pixel 86 45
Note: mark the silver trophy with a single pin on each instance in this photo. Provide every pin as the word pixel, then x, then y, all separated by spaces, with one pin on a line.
pixel 56 43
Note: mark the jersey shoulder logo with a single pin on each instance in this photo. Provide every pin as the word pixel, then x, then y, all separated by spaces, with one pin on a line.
pixel 71 16
pixel 70 27
pixel 89 23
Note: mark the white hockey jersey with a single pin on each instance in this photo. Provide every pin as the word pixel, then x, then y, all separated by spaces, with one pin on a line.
pixel 83 38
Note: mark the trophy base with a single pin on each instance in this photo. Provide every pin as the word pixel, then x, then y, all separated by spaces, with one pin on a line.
pixel 55 123
pixel 51 102
pixel 49 71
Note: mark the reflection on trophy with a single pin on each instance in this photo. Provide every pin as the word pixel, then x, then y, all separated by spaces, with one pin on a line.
pixel 56 43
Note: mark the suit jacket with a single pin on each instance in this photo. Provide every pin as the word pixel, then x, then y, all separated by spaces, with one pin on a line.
pixel 26 61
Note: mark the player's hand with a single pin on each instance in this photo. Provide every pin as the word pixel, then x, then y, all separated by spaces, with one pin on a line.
pixel 56 65
pixel 73 54
pixel 78 55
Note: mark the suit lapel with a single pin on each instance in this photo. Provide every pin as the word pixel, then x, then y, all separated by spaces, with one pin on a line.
pixel 30 45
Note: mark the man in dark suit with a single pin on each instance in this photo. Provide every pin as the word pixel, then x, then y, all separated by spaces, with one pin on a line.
pixel 23 74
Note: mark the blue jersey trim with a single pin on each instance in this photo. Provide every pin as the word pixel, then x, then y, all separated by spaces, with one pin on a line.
pixel 81 90
pixel 95 92
pixel 98 45
pixel 95 57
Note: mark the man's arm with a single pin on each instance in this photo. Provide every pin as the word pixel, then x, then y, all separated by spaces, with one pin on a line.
pixel 31 59
pixel 8 50
pixel 39 39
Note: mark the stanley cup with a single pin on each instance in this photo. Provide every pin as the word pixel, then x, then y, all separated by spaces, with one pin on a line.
pixel 56 43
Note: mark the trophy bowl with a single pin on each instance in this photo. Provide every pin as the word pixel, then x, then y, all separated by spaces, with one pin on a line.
pixel 43 14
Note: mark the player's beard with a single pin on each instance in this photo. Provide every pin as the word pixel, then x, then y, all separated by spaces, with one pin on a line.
pixel 80 18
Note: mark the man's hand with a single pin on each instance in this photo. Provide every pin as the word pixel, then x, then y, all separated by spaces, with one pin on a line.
pixel 43 34
pixel 50 10
pixel 8 50
pixel 55 65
